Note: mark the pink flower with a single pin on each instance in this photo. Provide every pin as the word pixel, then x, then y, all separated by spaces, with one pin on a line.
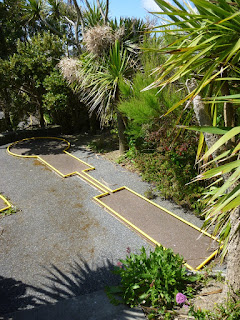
pixel 181 298
pixel 119 264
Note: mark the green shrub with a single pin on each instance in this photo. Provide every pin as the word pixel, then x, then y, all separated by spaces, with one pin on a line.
pixel 151 280
pixel 169 171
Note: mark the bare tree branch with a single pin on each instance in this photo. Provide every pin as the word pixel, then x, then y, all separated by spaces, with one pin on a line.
pixel 107 10
pixel 79 16
pixel 69 21
pixel 102 12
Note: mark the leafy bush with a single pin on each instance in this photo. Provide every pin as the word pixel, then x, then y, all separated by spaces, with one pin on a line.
pixel 170 169
pixel 151 280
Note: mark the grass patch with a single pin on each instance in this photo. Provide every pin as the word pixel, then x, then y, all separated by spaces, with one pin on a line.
pixel 8 212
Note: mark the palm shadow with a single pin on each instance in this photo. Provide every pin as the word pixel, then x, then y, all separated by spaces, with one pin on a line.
pixel 56 286
pixel 14 296
pixel 80 280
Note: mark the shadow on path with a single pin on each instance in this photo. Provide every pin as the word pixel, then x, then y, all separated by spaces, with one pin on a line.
pixel 13 296
pixel 56 286
pixel 81 279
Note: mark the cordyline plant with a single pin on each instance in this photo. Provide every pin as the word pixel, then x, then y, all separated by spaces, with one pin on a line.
pixel 207 50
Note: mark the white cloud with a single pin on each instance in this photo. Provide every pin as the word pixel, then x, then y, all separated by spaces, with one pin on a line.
pixel 150 5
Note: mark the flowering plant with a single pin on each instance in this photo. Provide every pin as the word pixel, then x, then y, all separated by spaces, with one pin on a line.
pixel 152 280
pixel 181 298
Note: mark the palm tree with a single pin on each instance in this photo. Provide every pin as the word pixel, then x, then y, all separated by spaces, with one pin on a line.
pixel 99 80
pixel 111 57
pixel 37 10
pixel 207 49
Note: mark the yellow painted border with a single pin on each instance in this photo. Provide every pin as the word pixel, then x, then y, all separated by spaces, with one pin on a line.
pixel 98 197
pixel 7 203
pixel 35 138
pixel 84 175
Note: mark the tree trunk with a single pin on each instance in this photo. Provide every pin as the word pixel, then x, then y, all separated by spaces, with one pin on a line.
pixel 233 257
pixel 79 16
pixel 94 123
pixel 202 114
pixel 121 135
pixel 6 112
pixel 42 122
pixel 229 111
pixel 40 110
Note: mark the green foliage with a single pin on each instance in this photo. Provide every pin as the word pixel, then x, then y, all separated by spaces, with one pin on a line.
pixel 229 310
pixel 144 109
pixel 58 92
pixel 152 280
pixel 61 105
pixel 36 58
pixel 162 155
pixel 169 172
pixel 27 70
pixel 99 79
pixel 8 212
pixel 92 16
pixel 223 195
pixel 207 43
pixel 12 26
pixel 140 108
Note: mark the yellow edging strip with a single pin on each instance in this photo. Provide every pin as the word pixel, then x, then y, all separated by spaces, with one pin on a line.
pixel 83 174
pixel 89 178
pixel 34 138
pixel 97 198
pixel 171 213
pixel 7 203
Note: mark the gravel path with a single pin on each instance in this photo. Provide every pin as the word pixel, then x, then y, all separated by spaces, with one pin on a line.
pixel 58 238
pixel 60 243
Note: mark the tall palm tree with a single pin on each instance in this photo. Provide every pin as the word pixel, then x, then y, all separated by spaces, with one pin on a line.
pixel 99 80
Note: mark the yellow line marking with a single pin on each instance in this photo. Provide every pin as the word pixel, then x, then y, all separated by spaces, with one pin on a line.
pixel 7 203
pixel 84 175
pixel 96 198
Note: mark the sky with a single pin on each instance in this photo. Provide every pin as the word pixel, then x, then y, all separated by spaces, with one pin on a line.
pixel 132 8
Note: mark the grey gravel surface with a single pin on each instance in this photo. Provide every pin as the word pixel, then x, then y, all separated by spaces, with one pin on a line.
pixel 60 244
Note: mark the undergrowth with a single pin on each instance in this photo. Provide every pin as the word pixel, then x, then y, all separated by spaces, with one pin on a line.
pixel 152 280
pixel 228 310
pixel 159 283
pixel 169 168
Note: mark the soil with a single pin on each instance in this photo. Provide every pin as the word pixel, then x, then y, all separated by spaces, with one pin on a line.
pixel 209 295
